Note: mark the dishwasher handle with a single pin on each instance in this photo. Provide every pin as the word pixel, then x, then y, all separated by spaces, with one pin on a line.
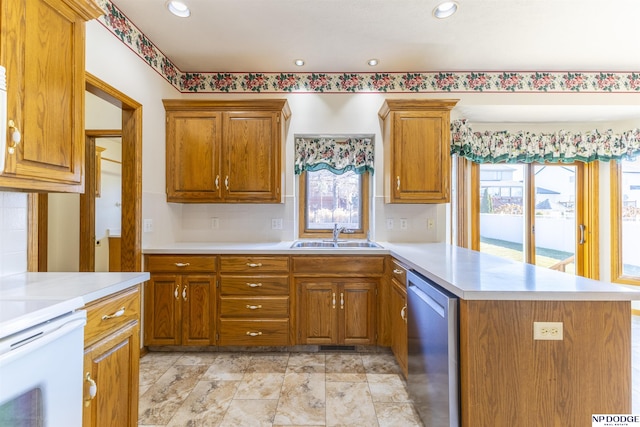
pixel 432 303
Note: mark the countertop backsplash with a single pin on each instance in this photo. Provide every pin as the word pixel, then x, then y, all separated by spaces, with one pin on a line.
pixel 13 233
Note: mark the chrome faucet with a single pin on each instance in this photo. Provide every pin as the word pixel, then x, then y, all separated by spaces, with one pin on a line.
pixel 336 232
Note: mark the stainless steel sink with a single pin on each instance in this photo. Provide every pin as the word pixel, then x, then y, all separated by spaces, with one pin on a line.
pixel 313 244
pixel 339 244
pixel 358 245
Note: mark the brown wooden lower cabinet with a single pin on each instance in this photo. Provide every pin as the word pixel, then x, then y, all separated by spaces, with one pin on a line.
pixel 111 361
pixel 336 312
pixel 510 379
pixel 179 309
pixel 179 300
pixel 398 309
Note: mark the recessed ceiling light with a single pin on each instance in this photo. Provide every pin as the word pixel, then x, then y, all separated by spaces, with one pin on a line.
pixel 372 62
pixel 178 8
pixel 445 9
pixel 299 62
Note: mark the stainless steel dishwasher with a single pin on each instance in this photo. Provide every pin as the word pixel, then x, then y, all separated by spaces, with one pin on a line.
pixel 433 379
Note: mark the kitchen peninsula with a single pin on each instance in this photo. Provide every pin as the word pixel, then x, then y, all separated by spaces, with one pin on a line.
pixel 506 377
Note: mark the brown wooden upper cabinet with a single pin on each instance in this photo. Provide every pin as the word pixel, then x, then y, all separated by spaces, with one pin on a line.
pixel 42 46
pixel 416 139
pixel 225 151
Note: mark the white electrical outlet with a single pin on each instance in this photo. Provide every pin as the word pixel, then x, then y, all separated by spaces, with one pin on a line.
pixel 430 223
pixel 547 331
pixel 403 223
pixel 389 223
pixel 276 223
pixel 215 223
pixel 147 225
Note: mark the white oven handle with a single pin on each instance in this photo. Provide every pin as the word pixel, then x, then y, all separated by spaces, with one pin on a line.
pixel 34 339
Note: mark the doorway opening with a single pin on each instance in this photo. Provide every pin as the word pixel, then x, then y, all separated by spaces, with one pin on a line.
pixel 131 192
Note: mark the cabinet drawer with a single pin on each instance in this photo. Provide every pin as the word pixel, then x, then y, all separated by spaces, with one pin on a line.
pixel 254 264
pixel 181 263
pixel 254 332
pixel 398 271
pixel 339 265
pixel 254 285
pixel 254 307
pixel 108 314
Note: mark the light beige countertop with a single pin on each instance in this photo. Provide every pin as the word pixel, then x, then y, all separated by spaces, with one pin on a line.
pixel 468 274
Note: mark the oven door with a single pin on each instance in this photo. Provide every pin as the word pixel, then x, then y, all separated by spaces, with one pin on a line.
pixel 41 372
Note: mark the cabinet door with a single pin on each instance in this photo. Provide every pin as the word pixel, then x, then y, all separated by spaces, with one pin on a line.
pixel 398 308
pixel 357 302
pixel 113 363
pixel 162 296
pixel 197 310
pixel 251 157
pixel 317 316
pixel 42 47
pixel 421 161
pixel 193 156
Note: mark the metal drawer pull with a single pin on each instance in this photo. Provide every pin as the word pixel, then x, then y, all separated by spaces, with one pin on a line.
pixel 403 313
pixel 254 285
pixel 253 307
pixel 254 334
pixel 333 300
pixel 184 293
pixel 398 182
pixel 226 182
pixel 397 271
pixel 217 182
pixel 341 301
pixel 182 264
pixel 93 389
pixel 175 293
pixel 253 265
pixel 116 314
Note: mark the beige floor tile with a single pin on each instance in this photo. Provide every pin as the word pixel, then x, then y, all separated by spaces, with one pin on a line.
pixel 350 404
pixel 153 366
pixel 250 413
pixel 164 398
pixel 387 388
pixel 228 366
pixel 380 363
pixel 396 415
pixel 260 386
pixel 306 362
pixel 268 362
pixel 206 404
pixel 196 358
pixel 302 400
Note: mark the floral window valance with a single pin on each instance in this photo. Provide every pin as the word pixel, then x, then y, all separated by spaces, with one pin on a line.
pixel 527 147
pixel 336 154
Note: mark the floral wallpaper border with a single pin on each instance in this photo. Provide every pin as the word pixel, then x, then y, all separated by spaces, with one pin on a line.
pixel 409 82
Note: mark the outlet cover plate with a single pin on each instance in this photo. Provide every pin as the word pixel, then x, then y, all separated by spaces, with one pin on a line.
pixel 547 331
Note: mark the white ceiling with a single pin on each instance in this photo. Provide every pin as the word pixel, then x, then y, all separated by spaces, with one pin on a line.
pixel 341 35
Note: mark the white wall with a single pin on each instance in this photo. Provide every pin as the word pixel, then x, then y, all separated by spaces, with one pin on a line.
pixel 13 233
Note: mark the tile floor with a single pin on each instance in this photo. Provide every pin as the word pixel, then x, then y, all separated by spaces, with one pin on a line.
pixel 273 389
pixel 286 389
